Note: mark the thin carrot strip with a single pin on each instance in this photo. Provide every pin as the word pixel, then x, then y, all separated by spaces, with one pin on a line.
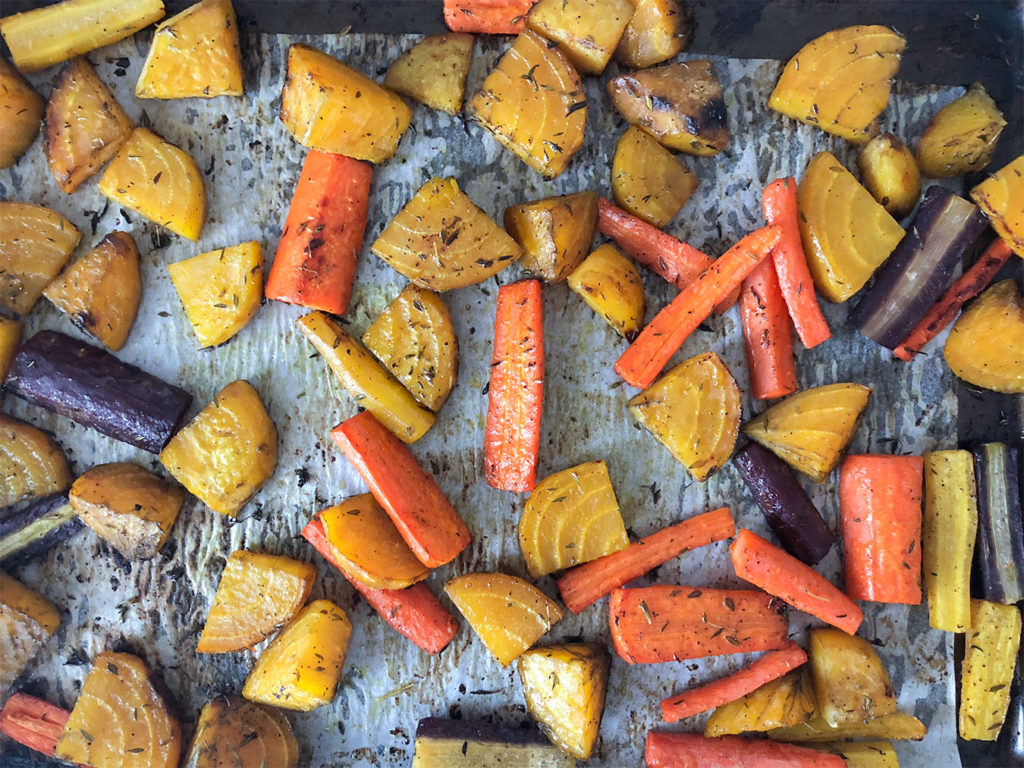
pixel 692 750
pixel 641 363
pixel 767 334
pixel 35 723
pixel 494 17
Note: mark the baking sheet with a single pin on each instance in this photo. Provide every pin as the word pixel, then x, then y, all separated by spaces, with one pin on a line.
pixel 157 608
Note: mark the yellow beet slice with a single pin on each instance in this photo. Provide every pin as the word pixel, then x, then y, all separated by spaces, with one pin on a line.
pixel 866 754
pixel 657 31
pixel 694 411
pixel 21 114
pixel 899 726
pixel 648 180
pixel 301 668
pixel 986 673
pixel 961 136
pixel 226 453
pixel 434 71
pixel 851 684
pixel 587 31
pixel 10 338
pixel 999 198
pixel 507 614
pixel 257 594
pixel 890 174
pixel 611 285
pixel 986 345
pixel 35 243
pixel 810 429
pixel 555 233
pixel 27 621
pixel 781 703
pixel 571 517
pixel 31 462
pixel 235 733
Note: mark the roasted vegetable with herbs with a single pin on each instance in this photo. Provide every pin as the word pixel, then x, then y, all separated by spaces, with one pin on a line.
pixel 21 114
pixel 34 529
pixel 657 31
pixel 555 233
pixel 850 682
pixel 783 702
pixel 27 622
pixel 31 462
pixel 986 674
pixel 35 244
pixel 611 285
pixel 444 743
pixel 890 174
pixel 648 180
pixel 1000 522
pixel 962 136
pixel 433 72
pixel 587 31
pixel 898 726
pixel 10 338
pixel 986 345
pixel 999 198
pixel 235 733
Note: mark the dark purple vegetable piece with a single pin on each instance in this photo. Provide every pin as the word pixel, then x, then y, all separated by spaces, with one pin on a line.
pixel 442 743
pixel 920 268
pixel 91 386
pixel 785 504
pixel 33 530
pixel 1000 550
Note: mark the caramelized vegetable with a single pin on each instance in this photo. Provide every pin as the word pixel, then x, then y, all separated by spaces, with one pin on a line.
pixel 890 174
pixel 21 113
pixel 868 754
pixel 508 614
pixel 586 31
pixel 961 136
pixel 27 622
pixel 35 243
pixel 235 733
pixel 694 411
pixel 850 682
pixel 998 197
pixel 783 702
pixel 433 72
pixel 31 462
pixel 648 180
pixel 227 451
pixel 36 528
pixel 899 726
pixel 990 655
pixel 533 103
pixel 555 233
pixel 482 744
pixel 657 31
pixel 986 345
pixel 10 338
pixel 611 285
pixel 257 594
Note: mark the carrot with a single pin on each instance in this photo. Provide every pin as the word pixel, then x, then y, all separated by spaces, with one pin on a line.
pixel 671 623
pixel 880 507
pixel 588 583
pixel 494 17
pixel 323 234
pixel 414 502
pixel 35 723
pixel 516 390
pixel 772 665
pixel 415 612
pixel 795 282
pixel 779 573
pixel 767 334
pixel 969 285
pixel 641 363
pixel 692 750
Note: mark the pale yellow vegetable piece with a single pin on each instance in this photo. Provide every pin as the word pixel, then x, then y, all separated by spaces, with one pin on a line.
pixel 865 754
pixel 648 180
pixel 781 703
pixel 999 197
pixel 899 726
pixel 35 243
pixel 434 71
pixel 657 31
pixel 31 462
pixel 235 733
pixel 961 136
pixel 611 285
pixel 890 174
pixel 986 346
pixel 10 338
pixel 587 31
pixel 21 114
pixel 27 622
pixel 555 233
pixel 851 684
pixel 991 648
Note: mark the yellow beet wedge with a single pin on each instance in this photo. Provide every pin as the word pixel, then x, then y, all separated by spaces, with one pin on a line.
pixel 31 462
pixel 657 31
pixel 233 732
pixel 648 180
pixel 10 338
pixel 810 429
pixel 962 136
pixel 899 726
pixel 27 622
pixel 990 655
pixel 999 198
pixel 571 517
pixel 841 81
pixel 555 233
pixel 35 243
pixel 507 613
pixel 865 754
pixel 587 31
pixel 611 285
pixel 785 701
pixel 986 345
pixel 434 71
pixel 21 114
pixel 851 685
pixel 694 411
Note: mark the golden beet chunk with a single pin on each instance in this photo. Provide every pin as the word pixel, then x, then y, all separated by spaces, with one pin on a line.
pixel 433 72
pixel 890 174
pixel 850 681
pixel 21 114
pixel 10 338
pixel 100 293
pixel 507 613
pixel 611 285
pixel 783 702
pixel 27 622
pixel 961 136
pixel 31 462
pixel 301 668
pixel 226 453
pixel 648 180
pixel 120 719
pixel 555 233
pixel 257 594
pixel 865 754
pixel 999 198
pixel 235 733
pixel 587 31
pixel 35 243
pixel 657 31
pixel 986 345
pixel 899 726
pixel 694 411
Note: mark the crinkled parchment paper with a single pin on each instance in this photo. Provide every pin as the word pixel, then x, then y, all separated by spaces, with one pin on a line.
pixel 157 608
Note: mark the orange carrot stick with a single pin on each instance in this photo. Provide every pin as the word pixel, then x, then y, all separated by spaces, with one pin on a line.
pixel 692 750
pixel 779 203
pixel 35 723
pixel 586 584
pixel 772 665
pixel 323 234
pixel 417 506
pixel 779 573
pixel 767 334
pixel 970 284
pixel 641 363
pixel 516 391
pixel 494 17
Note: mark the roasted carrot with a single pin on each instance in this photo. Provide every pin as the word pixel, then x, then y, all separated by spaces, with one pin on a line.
pixel 969 285
pixel 795 282
pixel 588 583
pixel 692 750
pixel 414 502
pixel 492 17
pixel 35 723
pixel 415 612
pixel 516 392
pixel 323 234
pixel 641 363
pixel 772 665
pixel 767 334
pixel 880 506
pixel 779 573
pixel 671 623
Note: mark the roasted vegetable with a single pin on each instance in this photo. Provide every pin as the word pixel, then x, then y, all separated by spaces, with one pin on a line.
pixel 648 180
pixel 31 462
pixel 85 125
pixel 235 733
pixel 897 726
pixel 555 233
pixel 227 451
pixel 35 723
pixel 159 181
pixel 986 345
pixel 785 701
pixel 840 81
pixel 657 31
pixel 195 53
pixel 97 390
pixel 301 668
pixel 610 284
pixel 10 338
pixel 27 622
pixel 587 31
pixel 571 517
pixel 1000 523
pixel 257 594
pixel 675 750
pixel 100 293
pixel 440 240
pixel 679 104
pixel 850 682
pixel 694 411
pixel 961 136
pixel 483 744
pixel 997 196
pixel 37 527
pixel 990 655
pixel 564 687
pixel 35 243
pixel 492 17
pixel 869 754
pixel 890 174
pixel 21 110
pixel 533 103
pixel 120 719
pixel 434 71
pixel 767 331
pixel 327 105
pixel 508 614
pixel 129 506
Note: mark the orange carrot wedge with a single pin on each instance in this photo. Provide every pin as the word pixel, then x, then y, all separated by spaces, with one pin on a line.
pixel 641 363
pixel 772 665
pixel 692 750
pixel 415 612
pixel 969 285
pixel 414 502
pixel 493 17
pixel 323 234
pixel 35 723
pixel 779 573
pixel 779 203
pixel 588 583
pixel 767 334
pixel 516 392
